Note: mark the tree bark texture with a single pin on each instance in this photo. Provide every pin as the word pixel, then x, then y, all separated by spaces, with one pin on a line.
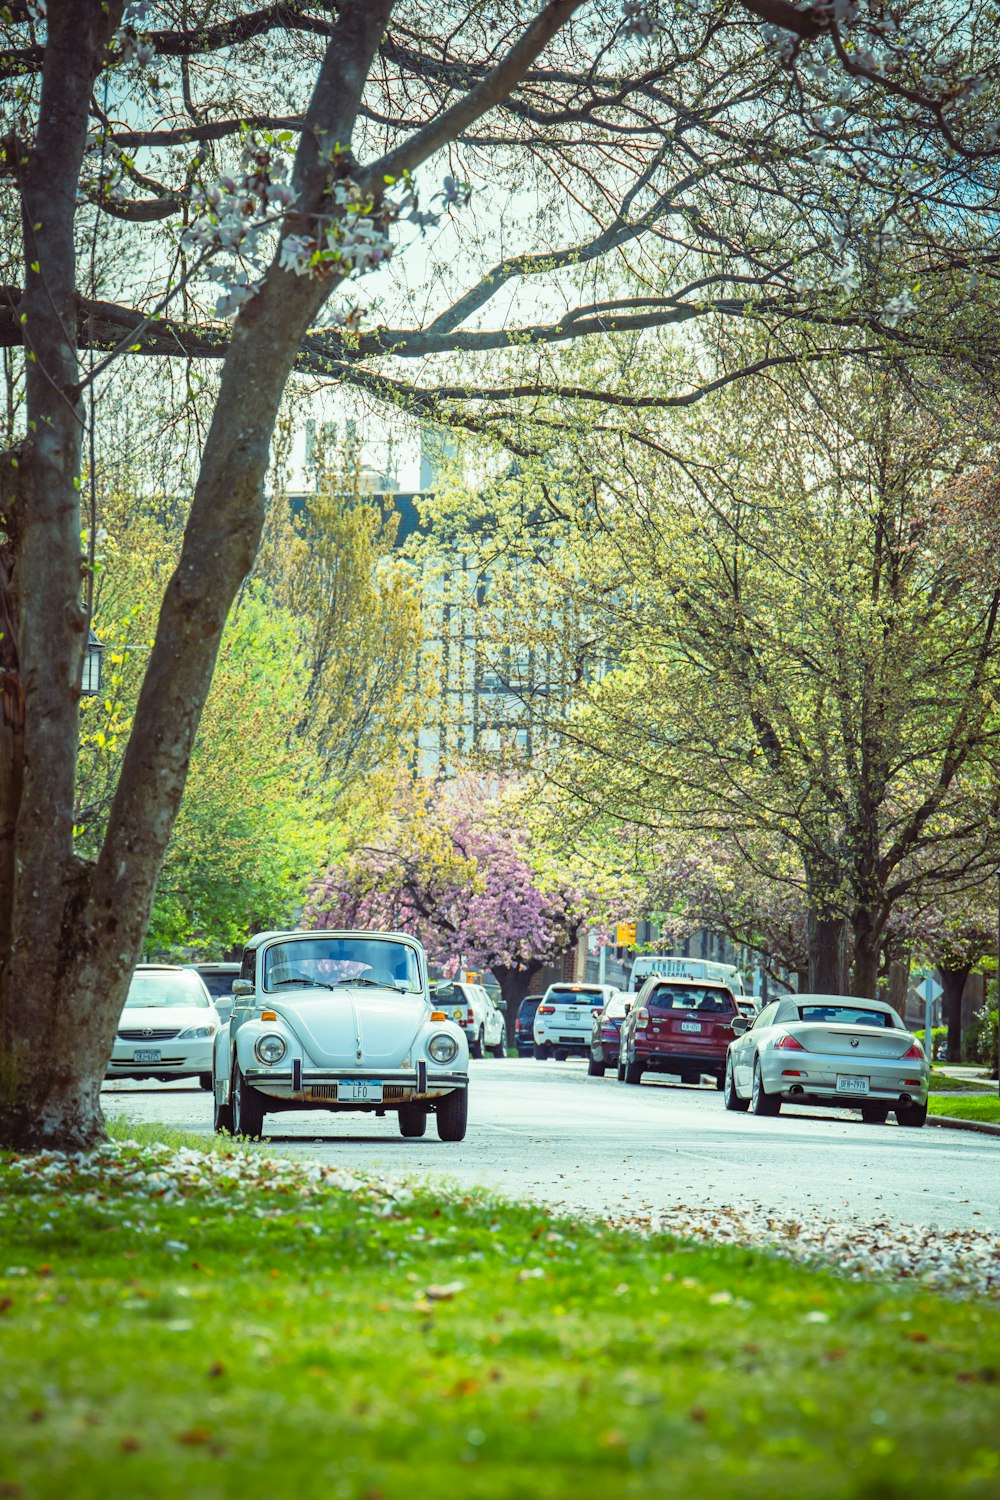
pixel 953 986
pixel 827 955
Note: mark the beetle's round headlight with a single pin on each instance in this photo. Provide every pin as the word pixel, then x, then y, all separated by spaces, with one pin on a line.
pixel 270 1048
pixel 442 1047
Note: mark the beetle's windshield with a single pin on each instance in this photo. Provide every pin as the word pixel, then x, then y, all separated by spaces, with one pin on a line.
pixel 329 961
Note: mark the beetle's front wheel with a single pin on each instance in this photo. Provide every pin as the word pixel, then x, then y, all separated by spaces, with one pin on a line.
pixel 247 1107
pixel 453 1115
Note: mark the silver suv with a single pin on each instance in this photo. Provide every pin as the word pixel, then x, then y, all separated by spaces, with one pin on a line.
pixel 563 1023
pixel 471 1007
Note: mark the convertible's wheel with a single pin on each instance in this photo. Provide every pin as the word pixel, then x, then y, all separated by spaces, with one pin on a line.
pixel 247 1107
pixel 500 1050
pixel 476 1048
pixel 205 1081
pixel 633 1071
pixel 222 1117
pixel 595 1069
pixel 453 1115
pixel 412 1120
pixel 760 1102
pixel 913 1115
pixel 874 1114
pixel 730 1097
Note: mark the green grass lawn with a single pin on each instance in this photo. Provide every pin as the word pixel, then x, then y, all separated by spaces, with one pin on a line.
pixel 223 1325
pixel 967 1106
pixel 944 1083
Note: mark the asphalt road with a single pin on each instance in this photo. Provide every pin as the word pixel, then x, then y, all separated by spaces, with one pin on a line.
pixel 545 1132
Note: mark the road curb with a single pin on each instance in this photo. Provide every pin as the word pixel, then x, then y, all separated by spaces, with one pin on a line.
pixel 983 1126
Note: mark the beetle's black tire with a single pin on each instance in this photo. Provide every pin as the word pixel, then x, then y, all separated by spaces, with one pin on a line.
pixel 412 1120
pixel 222 1118
pixel 247 1107
pixel 453 1115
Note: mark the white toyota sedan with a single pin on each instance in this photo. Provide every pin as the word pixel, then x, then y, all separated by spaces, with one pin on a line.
pixel 828 1049
pixel 339 1021
pixel 167 1027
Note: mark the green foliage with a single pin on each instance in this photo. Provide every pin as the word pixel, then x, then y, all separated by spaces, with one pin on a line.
pixel 221 1326
pixel 983 1107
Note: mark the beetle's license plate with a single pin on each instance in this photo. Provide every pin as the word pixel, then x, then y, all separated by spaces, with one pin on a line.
pixel 146 1055
pixel 847 1083
pixel 360 1091
pixel 690 1025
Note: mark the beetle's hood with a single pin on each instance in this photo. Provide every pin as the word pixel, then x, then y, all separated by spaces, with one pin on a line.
pixel 335 1026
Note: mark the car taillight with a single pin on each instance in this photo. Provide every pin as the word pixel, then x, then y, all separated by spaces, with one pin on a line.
pixel 788 1044
pixel 517 1026
pixel 546 1010
pixel 641 1018
pixel 916 1052
pixel 470 1019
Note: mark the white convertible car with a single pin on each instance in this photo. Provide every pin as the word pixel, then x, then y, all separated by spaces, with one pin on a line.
pixel 338 1021
pixel 827 1049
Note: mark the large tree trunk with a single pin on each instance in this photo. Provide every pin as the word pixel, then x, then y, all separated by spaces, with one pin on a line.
pixel 514 985
pixel 953 985
pixel 897 983
pixel 76 933
pixel 864 968
pixel 827 955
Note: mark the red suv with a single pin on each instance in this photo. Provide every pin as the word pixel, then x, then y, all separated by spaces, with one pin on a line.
pixel 679 1026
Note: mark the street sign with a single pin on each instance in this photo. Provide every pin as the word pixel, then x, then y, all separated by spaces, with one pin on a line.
pixel 930 990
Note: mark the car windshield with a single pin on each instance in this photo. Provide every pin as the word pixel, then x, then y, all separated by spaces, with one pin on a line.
pixel 692 997
pixel 329 961
pixel 617 1006
pixel 844 1015
pixel 576 997
pixel 157 990
pixel 220 986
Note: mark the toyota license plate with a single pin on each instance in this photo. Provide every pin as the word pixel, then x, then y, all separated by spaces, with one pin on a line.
pixel 146 1055
pixel 847 1083
pixel 690 1025
pixel 360 1091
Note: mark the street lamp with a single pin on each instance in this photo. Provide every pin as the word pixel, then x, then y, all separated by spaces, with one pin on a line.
pixel 90 682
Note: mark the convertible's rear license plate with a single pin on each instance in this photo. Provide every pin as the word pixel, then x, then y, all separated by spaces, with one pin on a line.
pixel 847 1083
pixel 146 1055
pixel 690 1025
pixel 360 1091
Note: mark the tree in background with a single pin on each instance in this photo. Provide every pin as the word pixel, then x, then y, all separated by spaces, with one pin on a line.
pixel 332 566
pixel 788 637
pixel 459 872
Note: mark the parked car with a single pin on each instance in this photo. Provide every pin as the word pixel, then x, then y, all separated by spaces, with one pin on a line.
pixel 167 1027
pixel 605 1039
pixel 339 1021
pixel 828 1049
pixel 473 1008
pixel 563 1023
pixel 218 979
pixel 524 1038
pixel 678 1026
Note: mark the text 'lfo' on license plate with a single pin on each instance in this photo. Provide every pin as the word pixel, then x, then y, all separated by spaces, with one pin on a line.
pixel 360 1091
pixel 848 1084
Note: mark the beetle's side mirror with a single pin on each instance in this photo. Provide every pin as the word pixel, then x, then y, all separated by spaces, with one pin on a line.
pixel 242 987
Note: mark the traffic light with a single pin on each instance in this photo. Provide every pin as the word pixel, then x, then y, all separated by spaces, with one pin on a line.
pixel 626 935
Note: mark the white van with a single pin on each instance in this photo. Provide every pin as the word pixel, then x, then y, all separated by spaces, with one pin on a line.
pixel 685 968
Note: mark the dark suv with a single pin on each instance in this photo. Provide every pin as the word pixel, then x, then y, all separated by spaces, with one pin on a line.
pixel 679 1026
pixel 218 979
pixel 524 1039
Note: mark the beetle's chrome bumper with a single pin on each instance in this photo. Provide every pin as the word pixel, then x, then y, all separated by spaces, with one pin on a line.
pixel 322 1086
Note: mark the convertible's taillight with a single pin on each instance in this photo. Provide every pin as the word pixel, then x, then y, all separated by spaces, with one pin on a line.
pixel 788 1044
pixel 916 1052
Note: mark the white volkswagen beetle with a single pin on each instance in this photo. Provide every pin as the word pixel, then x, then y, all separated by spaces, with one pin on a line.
pixel 338 1021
